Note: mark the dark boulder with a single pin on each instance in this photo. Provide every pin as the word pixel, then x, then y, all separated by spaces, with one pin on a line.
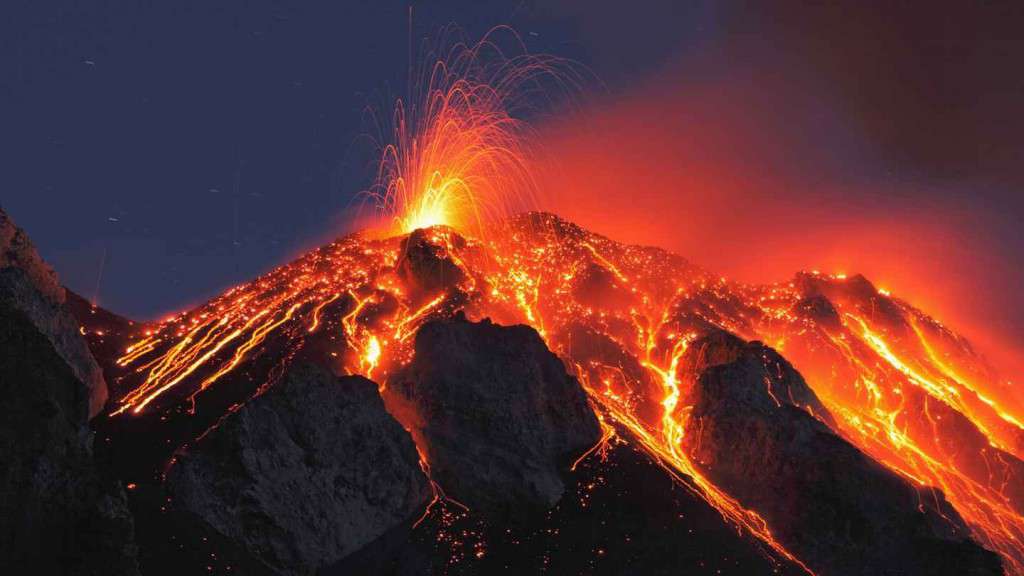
pixel 31 286
pixel 495 413
pixel 781 384
pixel 59 514
pixel 303 475
pixel 819 309
pixel 425 265
pixel 836 509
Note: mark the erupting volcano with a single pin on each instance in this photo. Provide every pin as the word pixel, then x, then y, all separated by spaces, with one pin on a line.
pixel 631 323
pixel 820 417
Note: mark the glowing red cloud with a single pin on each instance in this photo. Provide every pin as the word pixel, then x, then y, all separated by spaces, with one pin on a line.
pixel 756 180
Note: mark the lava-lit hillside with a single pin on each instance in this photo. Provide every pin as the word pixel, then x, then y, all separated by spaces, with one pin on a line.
pixel 638 327
pixel 493 363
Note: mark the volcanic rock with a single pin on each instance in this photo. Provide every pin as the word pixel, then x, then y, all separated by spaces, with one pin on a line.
pixel 754 434
pixel 592 346
pixel 107 335
pixel 856 290
pixel 596 285
pixel 495 413
pixel 58 513
pixel 304 474
pixel 819 309
pixel 621 516
pixel 424 264
pixel 30 285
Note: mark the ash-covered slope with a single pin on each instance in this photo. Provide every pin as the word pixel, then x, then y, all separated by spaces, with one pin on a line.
pixel 623 320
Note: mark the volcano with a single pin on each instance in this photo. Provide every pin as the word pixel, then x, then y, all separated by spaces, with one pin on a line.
pixel 537 399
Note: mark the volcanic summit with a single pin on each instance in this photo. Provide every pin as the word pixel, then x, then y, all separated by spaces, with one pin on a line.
pixel 538 399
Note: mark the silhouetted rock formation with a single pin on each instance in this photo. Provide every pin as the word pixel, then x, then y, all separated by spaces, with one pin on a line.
pixel 495 412
pixel 58 515
pixel 836 509
pixel 303 475
pixel 28 284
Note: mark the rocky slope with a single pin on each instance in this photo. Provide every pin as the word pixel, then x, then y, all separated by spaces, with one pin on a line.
pixel 282 466
pixel 761 434
pixel 495 413
pixel 304 474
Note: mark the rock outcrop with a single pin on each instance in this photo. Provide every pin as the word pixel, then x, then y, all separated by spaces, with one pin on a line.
pixel 495 413
pixel 425 265
pixel 58 513
pixel 752 431
pixel 108 335
pixel 31 286
pixel 303 475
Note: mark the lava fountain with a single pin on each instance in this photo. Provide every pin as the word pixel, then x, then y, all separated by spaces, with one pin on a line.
pixel 459 148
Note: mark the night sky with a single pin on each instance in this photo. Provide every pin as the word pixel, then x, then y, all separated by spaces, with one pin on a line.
pixel 159 152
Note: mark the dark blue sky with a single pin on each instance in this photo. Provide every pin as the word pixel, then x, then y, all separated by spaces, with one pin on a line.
pixel 185 146
pixel 189 145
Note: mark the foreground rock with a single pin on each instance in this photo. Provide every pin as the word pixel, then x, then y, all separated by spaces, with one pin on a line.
pixel 28 284
pixel 495 412
pixel 58 514
pixel 303 475
pixel 621 516
pixel 836 509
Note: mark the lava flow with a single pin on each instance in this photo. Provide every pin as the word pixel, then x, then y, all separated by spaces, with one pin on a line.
pixel 900 386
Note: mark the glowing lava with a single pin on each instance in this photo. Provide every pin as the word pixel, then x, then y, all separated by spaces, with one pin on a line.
pixel 901 387
pixel 459 149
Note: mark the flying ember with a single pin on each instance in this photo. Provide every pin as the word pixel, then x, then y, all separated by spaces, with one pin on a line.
pixel 459 147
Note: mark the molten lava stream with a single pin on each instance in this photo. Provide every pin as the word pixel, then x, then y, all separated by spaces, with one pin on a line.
pixel 528 262
pixel 924 442
pixel 665 446
pixel 907 407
